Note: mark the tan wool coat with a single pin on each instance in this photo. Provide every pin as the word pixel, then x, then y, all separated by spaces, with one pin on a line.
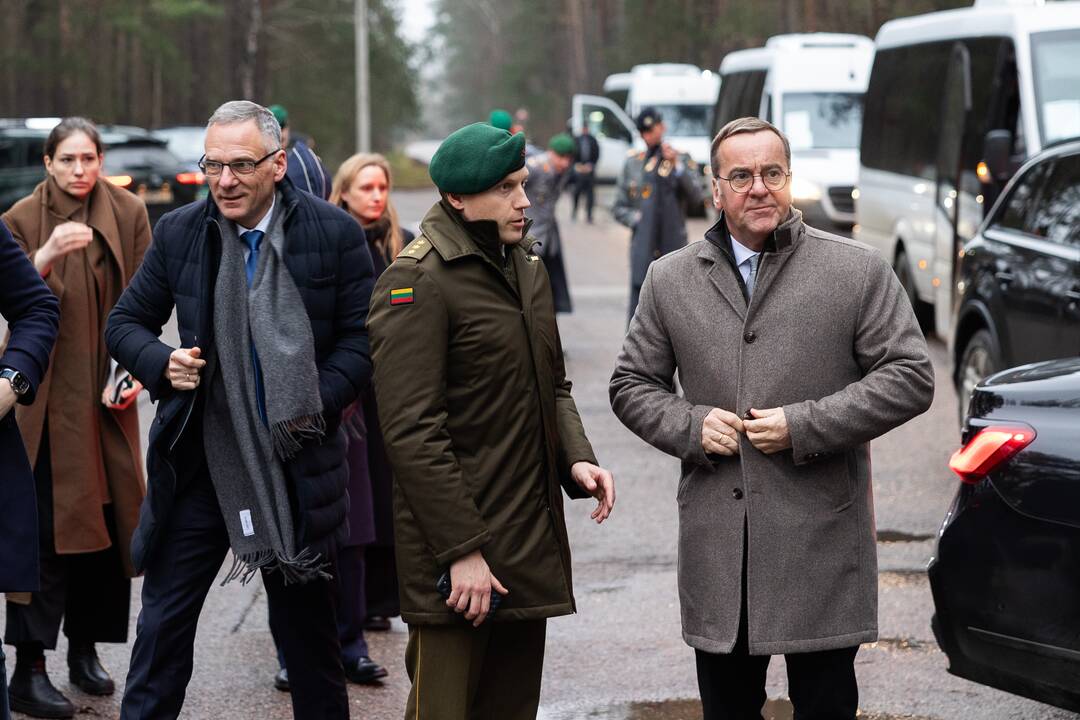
pixel 94 451
pixel 830 337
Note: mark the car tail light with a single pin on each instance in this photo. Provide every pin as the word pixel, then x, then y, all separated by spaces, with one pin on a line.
pixel 120 180
pixel 191 178
pixel 990 447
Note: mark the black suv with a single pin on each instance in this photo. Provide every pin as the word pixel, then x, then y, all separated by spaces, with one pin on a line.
pixel 1019 277
pixel 134 159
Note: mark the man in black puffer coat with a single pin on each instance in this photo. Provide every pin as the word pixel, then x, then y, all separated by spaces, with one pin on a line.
pixel 183 532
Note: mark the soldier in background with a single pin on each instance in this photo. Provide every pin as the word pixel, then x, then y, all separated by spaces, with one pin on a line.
pixel 548 177
pixel 656 186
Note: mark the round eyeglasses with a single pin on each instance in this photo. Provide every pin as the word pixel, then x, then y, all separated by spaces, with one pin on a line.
pixel 742 180
pixel 238 167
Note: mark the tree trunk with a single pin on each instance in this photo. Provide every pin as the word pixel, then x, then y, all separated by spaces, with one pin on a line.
pixel 251 49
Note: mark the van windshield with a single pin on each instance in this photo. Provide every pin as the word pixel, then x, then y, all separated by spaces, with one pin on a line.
pixel 823 121
pixel 686 120
pixel 1055 59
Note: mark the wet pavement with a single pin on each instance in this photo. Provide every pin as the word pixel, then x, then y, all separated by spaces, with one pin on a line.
pixel 621 657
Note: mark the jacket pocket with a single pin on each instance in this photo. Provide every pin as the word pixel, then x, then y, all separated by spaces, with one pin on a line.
pixel 320 282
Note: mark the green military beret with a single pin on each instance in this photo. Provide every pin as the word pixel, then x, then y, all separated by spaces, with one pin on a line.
pixel 280 114
pixel 474 158
pixel 561 144
pixel 500 119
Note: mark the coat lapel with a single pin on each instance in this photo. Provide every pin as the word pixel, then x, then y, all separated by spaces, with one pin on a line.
pixel 722 277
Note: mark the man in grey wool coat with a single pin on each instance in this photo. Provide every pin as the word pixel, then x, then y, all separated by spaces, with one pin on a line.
pixel 795 348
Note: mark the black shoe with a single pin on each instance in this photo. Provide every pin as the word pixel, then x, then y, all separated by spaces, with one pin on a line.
pixel 85 671
pixel 31 692
pixel 377 623
pixel 364 671
pixel 281 680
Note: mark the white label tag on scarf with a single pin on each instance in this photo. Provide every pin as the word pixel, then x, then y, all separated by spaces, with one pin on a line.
pixel 245 523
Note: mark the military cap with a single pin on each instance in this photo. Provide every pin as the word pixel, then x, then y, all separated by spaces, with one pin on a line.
pixel 500 119
pixel 561 144
pixel 280 114
pixel 648 118
pixel 474 158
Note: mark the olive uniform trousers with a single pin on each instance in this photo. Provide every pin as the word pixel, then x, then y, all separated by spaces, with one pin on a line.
pixel 459 672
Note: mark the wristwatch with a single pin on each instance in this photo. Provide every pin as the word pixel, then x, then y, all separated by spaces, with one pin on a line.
pixel 19 384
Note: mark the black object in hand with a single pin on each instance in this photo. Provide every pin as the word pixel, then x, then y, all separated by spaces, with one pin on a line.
pixel 444 587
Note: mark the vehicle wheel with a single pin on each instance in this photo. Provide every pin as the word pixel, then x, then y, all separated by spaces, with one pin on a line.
pixel 979 360
pixel 924 311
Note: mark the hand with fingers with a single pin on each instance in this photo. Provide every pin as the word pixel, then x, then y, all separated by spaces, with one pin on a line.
pixel 599 483
pixel 65 238
pixel 768 430
pixel 720 432
pixel 472 582
pixel 184 367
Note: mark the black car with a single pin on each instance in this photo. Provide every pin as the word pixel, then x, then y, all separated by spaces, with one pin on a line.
pixel 134 159
pixel 1019 277
pixel 1006 574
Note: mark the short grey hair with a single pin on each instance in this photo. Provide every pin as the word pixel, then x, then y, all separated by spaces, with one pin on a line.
pixel 238 111
pixel 744 125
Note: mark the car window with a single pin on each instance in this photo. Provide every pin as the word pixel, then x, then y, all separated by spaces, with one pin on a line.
pixel 1056 215
pixel 1016 210
pixel 12 153
pixel 126 157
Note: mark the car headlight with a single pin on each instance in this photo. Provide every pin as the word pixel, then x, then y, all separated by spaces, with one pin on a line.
pixel 803 189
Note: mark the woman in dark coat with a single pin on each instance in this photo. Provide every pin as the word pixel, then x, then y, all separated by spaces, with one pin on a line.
pixel 366 565
pixel 86 237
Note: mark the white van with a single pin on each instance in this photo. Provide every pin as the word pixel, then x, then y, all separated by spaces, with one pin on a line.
pixel 685 95
pixel 957 101
pixel 811 87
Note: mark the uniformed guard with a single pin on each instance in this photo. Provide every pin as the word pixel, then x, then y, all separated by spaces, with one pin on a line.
pixel 548 177
pixel 655 188
pixel 483 436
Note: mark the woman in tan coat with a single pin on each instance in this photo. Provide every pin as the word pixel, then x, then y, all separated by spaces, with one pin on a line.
pixel 86 237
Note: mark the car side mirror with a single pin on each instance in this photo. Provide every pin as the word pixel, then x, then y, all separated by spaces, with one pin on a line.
pixel 996 149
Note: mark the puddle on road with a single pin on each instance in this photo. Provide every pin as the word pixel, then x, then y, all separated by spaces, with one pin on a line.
pixel 775 709
pixel 896 536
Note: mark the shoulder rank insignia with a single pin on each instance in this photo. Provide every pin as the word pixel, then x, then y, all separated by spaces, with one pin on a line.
pixel 417 249
pixel 401 296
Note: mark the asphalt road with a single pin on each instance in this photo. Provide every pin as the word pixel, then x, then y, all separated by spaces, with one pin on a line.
pixel 622 655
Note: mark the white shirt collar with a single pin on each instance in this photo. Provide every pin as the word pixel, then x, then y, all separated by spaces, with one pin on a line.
pixel 741 252
pixel 263 224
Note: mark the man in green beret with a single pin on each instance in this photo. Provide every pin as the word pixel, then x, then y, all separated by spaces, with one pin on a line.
pixel 483 436
pixel 548 177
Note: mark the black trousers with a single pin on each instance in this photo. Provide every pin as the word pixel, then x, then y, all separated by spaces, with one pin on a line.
pixel 89 592
pixel 380 581
pixel 583 185
pixel 821 685
pixel 177 579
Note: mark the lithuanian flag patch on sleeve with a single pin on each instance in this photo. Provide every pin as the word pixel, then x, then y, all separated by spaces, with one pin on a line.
pixel 401 296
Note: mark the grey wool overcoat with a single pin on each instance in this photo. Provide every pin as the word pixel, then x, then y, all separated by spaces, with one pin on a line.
pixel 830 336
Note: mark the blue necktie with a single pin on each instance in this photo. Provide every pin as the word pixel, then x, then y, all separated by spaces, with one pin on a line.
pixel 752 277
pixel 253 238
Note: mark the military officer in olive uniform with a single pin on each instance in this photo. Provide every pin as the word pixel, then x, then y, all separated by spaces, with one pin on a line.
pixel 548 177
pixel 483 437
pixel 655 188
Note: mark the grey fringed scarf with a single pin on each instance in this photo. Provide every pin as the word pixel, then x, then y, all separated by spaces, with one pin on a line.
pixel 246 457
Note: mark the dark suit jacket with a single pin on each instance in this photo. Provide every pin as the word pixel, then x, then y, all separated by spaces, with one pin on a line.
pixel 328 258
pixel 33 316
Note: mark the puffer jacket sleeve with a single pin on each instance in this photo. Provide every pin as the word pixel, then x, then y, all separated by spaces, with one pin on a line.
pixel 136 320
pixel 346 370
pixel 32 313
pixel 410 342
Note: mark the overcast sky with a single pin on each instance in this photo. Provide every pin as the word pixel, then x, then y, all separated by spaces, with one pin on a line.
pixel 416 17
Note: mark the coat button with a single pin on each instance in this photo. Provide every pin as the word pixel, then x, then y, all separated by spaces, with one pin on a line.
pixel 736 493
pixel 750 336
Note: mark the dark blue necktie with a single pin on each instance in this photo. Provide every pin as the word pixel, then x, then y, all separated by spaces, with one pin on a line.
pixel 253 238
